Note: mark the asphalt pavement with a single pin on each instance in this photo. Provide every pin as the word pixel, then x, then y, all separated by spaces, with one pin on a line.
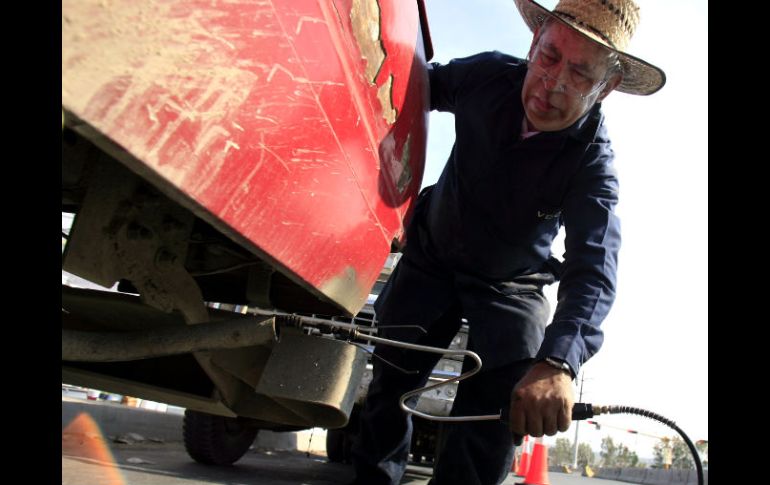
pixel 111 444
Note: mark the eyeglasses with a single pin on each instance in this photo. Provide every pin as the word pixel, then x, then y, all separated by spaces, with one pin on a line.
pixel 568 87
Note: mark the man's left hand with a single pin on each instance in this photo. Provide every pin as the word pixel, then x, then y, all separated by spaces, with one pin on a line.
pixel 541 403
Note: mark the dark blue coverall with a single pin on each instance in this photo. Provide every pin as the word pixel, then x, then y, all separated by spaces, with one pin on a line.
pixel 479 247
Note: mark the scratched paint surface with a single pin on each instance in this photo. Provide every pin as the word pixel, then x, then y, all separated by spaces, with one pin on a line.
pixel 261 114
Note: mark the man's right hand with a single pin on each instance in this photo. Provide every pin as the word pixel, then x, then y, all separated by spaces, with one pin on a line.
pixel 541 403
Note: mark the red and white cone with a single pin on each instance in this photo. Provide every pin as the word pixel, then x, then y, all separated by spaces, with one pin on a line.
pixel 538 465
pixel 524 462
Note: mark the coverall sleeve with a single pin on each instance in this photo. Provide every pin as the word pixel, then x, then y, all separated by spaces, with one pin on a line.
pixel 588 281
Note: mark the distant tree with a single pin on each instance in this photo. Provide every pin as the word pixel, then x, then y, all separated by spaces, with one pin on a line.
pixel 585 455
pixel 680 454
pixel 617 455
pixel 560 453
pixel 626 458
pixel 609 452
pixel 657 454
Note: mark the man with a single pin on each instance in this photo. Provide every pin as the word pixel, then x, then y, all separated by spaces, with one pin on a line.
pixel 531 153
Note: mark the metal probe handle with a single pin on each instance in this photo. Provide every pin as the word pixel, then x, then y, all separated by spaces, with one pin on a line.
pixel 417 392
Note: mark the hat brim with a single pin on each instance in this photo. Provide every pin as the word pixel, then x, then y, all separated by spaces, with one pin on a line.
pixel 639 76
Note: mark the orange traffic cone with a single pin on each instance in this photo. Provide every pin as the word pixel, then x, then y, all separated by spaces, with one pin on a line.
pixel 538 466
pixel 524 462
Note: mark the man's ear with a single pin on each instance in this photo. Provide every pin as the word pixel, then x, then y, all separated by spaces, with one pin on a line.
pixel 614 81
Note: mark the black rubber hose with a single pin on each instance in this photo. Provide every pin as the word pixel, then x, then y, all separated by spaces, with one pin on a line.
pixel 582 411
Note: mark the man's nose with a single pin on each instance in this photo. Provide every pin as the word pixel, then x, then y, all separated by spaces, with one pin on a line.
pixel 552 81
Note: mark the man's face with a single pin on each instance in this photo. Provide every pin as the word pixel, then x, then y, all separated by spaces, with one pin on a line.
pixel 569 59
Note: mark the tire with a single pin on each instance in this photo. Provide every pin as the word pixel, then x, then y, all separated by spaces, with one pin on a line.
pixel 339 442
pixel 216 440
pixel 335 445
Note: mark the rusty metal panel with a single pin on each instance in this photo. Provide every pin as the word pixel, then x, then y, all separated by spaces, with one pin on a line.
pixel 262 118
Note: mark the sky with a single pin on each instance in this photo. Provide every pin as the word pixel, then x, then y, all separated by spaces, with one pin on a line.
pixel 655 352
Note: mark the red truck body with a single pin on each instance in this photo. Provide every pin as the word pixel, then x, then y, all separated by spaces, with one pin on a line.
pixel 296 128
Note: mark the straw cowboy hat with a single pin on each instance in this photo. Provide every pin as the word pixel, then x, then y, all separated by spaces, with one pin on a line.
pixel 610 23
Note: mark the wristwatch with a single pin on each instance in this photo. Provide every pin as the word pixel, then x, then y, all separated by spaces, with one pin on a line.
pixel 559 364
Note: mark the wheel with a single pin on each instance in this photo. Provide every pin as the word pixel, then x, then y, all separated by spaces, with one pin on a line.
pixel 216 440
pixel 339 442
pixel 335 445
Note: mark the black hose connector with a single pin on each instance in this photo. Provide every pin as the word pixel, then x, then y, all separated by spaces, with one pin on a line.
pixel 582 411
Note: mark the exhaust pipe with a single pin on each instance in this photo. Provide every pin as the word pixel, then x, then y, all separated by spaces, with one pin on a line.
pixel 83 346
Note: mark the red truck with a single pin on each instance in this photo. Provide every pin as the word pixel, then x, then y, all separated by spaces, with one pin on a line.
pixel 262 154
